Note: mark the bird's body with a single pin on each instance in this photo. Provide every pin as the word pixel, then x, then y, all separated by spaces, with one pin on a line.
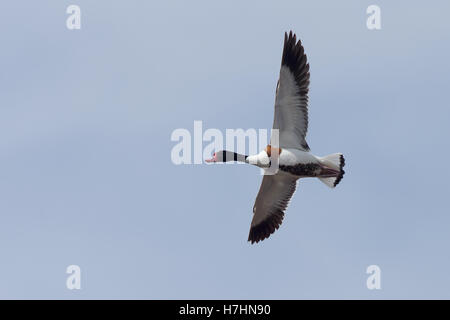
pixel 298 163
pixel 291 156
pixel 287 157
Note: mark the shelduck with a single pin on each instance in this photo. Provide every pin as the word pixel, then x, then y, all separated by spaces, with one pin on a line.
pixel 292 156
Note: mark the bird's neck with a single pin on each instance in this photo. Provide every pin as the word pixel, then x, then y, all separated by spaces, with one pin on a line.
pixel 233 156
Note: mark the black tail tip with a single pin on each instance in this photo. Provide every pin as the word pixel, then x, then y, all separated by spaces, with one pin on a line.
pixel 342 172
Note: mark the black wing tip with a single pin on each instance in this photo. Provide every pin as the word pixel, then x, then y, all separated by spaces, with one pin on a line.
pixel 342 172
pixel 306 146
pixel 266 228
pixel 295 59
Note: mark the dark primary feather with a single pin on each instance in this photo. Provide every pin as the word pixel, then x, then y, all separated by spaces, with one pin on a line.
pixel 294 58
pixel 266 228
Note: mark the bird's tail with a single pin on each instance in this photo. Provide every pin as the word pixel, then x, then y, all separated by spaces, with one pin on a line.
pixel 334 161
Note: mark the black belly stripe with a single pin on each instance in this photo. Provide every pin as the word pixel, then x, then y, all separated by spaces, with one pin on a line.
pixel 303 169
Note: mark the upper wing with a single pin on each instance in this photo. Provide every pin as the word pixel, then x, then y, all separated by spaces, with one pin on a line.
pixel 291 102
pixel 272 199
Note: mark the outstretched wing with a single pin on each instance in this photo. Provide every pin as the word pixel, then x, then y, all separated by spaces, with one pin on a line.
pixel 291 102
pixel 272 199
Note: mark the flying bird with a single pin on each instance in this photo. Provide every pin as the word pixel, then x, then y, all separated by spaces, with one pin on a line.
pixel 292 155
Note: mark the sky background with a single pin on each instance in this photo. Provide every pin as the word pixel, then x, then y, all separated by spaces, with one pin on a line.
pixel 86 176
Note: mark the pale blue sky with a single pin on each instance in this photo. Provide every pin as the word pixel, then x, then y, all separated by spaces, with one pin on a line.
pixel 86 176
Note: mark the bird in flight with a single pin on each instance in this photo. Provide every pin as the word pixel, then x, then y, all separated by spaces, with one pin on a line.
pixel 291 154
